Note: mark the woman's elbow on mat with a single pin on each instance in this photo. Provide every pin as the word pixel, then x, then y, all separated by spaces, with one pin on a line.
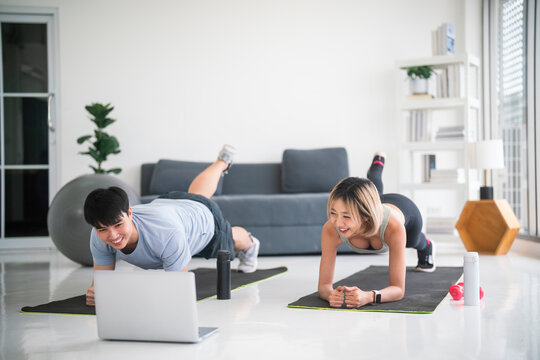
pixel 324 292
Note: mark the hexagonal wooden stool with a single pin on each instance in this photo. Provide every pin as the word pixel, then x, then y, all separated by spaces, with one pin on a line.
pixel 488 226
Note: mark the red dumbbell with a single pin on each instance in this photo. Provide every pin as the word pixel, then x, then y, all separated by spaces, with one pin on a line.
pixel 456 291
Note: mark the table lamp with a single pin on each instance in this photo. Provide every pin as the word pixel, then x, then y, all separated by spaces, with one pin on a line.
pixel 487 155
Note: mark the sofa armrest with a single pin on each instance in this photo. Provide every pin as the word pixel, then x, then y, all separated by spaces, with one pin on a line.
pixel 147 170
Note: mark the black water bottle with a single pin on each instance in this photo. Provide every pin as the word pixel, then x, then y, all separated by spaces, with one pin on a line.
pixel 223 275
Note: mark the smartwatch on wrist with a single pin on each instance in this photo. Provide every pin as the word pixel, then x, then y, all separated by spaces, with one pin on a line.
pixel 376 297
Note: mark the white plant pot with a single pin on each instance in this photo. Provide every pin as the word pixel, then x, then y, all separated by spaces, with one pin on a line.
pixel 418 86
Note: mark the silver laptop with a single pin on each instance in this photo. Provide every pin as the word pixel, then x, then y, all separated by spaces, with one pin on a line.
pixel 148 306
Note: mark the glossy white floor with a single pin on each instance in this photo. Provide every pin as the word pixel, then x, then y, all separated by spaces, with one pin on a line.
pixel 257 324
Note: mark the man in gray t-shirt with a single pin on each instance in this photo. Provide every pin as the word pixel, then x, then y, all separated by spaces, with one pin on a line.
pixel 167 232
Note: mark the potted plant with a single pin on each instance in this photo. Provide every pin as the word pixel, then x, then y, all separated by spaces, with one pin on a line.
pixel 101 144
pixel 419 76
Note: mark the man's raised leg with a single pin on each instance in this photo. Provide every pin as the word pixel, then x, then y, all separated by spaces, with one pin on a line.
pixel 207 181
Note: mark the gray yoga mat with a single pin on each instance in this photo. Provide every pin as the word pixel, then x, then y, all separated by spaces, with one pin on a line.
pixel 423 291
pixel 205 282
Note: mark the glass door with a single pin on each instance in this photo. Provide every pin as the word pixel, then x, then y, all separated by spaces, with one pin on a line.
pixel 510 107
pixel 27 134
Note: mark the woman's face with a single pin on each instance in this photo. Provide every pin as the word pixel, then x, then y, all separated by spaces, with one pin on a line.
pixel 341 217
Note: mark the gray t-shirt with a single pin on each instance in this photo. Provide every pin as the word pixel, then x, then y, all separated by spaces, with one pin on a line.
pixel 170 233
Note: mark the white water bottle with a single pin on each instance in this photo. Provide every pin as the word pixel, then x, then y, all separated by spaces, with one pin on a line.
pixel 471 279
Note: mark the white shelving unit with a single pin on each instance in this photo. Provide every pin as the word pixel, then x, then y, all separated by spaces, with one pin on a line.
pixel 442 200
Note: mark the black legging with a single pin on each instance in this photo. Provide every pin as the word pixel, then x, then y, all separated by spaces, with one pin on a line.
pixel 413 219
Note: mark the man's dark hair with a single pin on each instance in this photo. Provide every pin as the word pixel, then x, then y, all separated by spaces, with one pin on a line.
pixel 104 207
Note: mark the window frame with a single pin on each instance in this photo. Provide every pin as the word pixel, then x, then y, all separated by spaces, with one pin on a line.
pixel 491 119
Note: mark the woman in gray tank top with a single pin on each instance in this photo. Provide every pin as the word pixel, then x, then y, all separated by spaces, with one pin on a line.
pixel 370 222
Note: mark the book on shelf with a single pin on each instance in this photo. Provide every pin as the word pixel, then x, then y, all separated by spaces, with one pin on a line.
pixel 450 82
pixel 447 176
pixel 429 164
pixel 450 136
pixel 419 126
pixel 443 39
pixel 450 133
pixel 448 38
pixel 440 225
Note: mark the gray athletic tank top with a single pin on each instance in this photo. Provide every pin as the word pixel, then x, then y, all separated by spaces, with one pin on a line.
pixel 384 248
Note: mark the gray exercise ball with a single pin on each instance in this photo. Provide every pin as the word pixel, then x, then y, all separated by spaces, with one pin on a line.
pixel 65 219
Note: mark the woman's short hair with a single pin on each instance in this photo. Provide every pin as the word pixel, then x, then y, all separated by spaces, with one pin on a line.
pixel 104 207
pixel 363 202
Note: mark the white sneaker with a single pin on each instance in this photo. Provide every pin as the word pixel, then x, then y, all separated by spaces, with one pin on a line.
pixel 248 258
pixel 227 154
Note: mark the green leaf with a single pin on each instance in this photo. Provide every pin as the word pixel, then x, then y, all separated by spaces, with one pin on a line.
pixel 115 171
pixel 106 122
pixel 103 122
pixel 83 139
pixel 108 146
pixel 116 143
pixel 99 134
pixel 98 110
pixel 95 155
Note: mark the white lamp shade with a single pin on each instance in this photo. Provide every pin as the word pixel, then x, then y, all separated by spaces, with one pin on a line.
pixel 487 154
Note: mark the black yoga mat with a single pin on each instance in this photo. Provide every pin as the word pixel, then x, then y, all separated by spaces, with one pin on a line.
pixel 423 291
pixel 205 280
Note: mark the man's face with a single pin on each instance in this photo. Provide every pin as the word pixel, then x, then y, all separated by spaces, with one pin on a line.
pixel 119 234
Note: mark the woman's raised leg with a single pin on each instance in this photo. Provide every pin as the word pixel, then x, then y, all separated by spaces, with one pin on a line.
pixel 375 171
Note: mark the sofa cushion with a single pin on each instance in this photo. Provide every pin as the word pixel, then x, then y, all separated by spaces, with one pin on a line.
pixel 309 171
pixel 274 210
pixel 173 175
pixel 253 179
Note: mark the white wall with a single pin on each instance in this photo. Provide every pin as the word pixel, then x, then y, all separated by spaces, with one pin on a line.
pixel 264 75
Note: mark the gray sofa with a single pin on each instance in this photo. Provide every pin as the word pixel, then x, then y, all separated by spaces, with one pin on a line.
pixel 282 204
